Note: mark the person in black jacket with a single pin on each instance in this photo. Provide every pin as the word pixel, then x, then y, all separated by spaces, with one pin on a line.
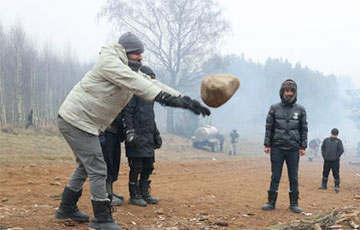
pixel 285 140
pixel 110 141
pixel 142 137
pixel 331 150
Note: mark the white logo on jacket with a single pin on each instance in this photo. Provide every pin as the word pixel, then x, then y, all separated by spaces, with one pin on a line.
pixel 296 116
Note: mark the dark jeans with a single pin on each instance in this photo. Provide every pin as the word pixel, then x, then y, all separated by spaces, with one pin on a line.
pixel 142 166
pixel 110 146
pixel 334 166
pixel 278 157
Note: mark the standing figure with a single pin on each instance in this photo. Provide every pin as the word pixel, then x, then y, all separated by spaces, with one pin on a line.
pixel 142 137
pixel 221 139
pixel 110 141
pixel 234 137
pixel 90 107
pixel 358 150
pixel 313 145
pixel 331 150
pixel 29 121
pixel 285 140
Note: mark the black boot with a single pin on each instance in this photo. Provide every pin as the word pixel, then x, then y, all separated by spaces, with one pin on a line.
pixel 144 188
pixel 324 183
pixel 103 219
pixel 270 205
pixel 294 207
pixel 116 199
pixel 337 185
pixel 68 208
pixel 135 195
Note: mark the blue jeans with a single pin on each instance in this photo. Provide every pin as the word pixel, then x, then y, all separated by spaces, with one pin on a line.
pixel 278 157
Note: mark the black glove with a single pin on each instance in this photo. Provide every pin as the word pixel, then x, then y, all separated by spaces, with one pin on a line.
pixel 182 102
pixel 131 138
pixel 157 142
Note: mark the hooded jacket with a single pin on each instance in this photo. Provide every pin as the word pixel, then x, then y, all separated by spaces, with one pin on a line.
pixel 139 115
pixel 286 122
pixel 95 101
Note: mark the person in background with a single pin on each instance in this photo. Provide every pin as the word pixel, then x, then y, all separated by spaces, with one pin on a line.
pixel 331 150
pixel 29 121
pixel 110 141
pixel 142 138
pixel 234 137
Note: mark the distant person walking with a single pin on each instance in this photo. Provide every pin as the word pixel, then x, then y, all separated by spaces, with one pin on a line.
pixel 29 121
pixel 358 150
pixel 331 150
pixel 313 146
pixel 234 137
pixel 285 140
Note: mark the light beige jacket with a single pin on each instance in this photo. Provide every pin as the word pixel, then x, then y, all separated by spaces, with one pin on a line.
pixel 104 91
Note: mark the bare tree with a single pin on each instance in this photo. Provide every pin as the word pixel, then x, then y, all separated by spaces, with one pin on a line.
pixel 3 119
pixel 180 35
pixel 33 79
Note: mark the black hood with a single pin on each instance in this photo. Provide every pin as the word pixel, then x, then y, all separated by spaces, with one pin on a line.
pixel 286 85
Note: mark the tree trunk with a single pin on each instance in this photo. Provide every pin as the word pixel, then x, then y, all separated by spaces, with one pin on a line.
pixel 19 102
pixel 3 120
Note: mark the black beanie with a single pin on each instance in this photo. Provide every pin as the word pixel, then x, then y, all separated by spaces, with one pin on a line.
pixel 131 43
pixel 335 131
pixel 147 70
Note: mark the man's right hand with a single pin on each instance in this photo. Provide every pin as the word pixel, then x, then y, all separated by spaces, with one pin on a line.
pixel 131 137
pixel 184 102
pixel 267 150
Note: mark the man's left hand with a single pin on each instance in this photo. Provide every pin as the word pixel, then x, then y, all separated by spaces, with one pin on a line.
pixel 157 141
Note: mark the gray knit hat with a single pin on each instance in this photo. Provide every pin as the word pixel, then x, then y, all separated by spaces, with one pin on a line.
pixel 131 43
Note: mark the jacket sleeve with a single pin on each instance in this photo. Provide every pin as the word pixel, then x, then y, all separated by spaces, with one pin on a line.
pixel 128 114
pixel 163 87
pixel 323 148
pixel 269 127
pixel 340 149
pixel 114 70
pixel 303 129
pixel 156 131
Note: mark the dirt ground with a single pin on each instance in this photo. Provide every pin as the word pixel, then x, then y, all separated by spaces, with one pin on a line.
pixel 197 189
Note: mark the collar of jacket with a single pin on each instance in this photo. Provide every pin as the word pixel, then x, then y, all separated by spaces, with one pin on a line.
pixel 117 49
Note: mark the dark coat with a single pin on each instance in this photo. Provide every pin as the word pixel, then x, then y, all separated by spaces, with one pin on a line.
pixel 332 148
pixel 139 115
pixel 286 125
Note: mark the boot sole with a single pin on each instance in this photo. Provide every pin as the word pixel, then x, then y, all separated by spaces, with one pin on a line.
pixel 140 205
pixel 60 216
pixel 103 226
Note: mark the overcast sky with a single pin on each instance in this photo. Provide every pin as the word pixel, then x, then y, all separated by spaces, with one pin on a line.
pixel 322 34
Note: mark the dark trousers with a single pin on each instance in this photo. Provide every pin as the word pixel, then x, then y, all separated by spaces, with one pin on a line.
pixel 110 145
pixel 142 166
pixel 334 166
pixel 291 157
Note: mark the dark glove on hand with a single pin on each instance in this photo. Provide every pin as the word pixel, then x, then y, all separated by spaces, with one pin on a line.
pixel 131 137
pixel 182 102
pixel 157 142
